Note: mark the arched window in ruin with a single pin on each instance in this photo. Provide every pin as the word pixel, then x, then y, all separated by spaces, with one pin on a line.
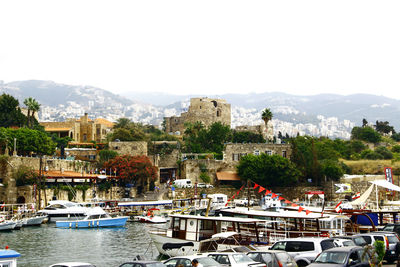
pixel 218 113
pixel 215 103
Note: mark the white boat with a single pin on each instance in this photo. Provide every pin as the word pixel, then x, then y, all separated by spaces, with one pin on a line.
pixel 96 217
pixel 187 234
pixel 34 220
pixel 63 210
pixel 7 225
pixel 8 257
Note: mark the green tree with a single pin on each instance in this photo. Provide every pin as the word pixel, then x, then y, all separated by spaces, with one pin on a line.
pixel 367 134
pixel 371 155
pixel 32 106
pixel 396 149
pixel 332 170
pixel 266 115
pixel 247 137
pixel 364 122
pixel 10 112
pixel 106 155
pixel 386 153
pixel 383 127
pixel 267 170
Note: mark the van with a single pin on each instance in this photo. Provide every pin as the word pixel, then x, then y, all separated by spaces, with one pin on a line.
pixel 183 183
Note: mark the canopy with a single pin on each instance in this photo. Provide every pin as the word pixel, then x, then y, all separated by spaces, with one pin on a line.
pixel 363 198
pixel 223 235
pixel 386 184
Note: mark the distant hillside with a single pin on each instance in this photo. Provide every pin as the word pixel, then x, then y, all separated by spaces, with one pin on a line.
pixel 324 114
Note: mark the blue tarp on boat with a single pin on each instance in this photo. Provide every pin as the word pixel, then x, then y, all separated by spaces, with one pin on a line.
pixel 363 220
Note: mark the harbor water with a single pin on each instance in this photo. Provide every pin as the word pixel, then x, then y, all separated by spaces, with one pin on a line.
pixel 108 247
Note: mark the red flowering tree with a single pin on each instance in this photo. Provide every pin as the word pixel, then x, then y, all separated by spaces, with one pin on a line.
pixel 134 169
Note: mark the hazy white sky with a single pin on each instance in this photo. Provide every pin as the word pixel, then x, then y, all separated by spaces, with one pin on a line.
pixel 207 47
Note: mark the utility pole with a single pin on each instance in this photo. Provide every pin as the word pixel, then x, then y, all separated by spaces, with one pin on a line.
pixel 40 182
pixel 248 194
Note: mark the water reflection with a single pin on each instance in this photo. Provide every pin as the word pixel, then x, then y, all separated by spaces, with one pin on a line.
pixel 46 245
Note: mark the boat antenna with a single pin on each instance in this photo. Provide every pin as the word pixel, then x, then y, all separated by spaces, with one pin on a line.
pixel 248 194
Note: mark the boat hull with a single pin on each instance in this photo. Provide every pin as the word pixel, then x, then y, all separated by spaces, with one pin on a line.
pixel 94 223
pixel 34 221
pixel 160 240
pixel 6 226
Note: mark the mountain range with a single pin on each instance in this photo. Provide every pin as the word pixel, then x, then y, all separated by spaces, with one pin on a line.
pixel 324 114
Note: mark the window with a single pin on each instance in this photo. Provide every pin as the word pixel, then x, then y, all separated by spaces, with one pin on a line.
pixel 268 152
pixel 200 107
pixel 279 246
pixel 235 157
pixel 257 152
pixel 284 154
pixel 218 113
pixel 84 137
pixel 325 244
pixel 294 246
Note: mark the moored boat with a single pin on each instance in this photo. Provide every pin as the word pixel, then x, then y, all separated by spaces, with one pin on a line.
pixel 63 210
pixel 187 233
pixel 96 217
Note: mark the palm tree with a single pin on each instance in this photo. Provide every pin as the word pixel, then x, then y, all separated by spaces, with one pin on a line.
pixel 266 116
pixel 33 106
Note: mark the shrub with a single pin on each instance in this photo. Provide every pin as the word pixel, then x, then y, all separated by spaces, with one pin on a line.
pixel 369 154
pixel 205 177
pixel 396 148
pixel 386 154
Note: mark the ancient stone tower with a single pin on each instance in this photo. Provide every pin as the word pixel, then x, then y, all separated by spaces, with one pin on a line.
pixel 205 110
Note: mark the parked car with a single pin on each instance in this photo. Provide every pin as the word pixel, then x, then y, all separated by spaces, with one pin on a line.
pixel 234 259
pixel 392 227
pixel 391 241
pixel 343 242
pixel 143 264
pixel 72 264
pixel 186 261
pixel 342 257
pixel 273 258
pixel 303 249
pixel 357 240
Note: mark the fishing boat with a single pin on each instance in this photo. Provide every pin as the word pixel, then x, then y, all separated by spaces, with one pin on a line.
pixel 187 234
pixel 7 225
pixel 8 257
pixel 151 217
pixel 96 217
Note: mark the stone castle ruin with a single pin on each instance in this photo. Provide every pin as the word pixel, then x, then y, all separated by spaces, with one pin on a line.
pixel 205 110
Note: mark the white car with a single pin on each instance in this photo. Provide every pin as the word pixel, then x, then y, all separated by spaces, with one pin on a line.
pixel 304 249
pixel 72 264
pixel 186 261
pixel 233 259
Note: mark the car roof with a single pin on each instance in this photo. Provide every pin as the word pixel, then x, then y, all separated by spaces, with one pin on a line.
pixel 306 239
pixel 72 263
pixel 190 257
pixel 344 249
pixel 142 262
pixel 267 251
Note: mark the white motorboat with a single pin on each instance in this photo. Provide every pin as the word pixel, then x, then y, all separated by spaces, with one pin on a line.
pixel 34 220
pixel 63 210
pixel 7 225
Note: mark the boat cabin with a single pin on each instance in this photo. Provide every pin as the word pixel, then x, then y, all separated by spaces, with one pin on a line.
pixel 8 258
pixel 198 228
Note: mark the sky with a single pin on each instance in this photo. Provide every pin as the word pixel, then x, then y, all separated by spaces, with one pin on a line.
pixel 205 47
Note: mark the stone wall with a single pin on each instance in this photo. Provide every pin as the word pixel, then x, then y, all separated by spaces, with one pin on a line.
pixel 192 169
pixel 205 110
pixel 233 152
pixel 134 148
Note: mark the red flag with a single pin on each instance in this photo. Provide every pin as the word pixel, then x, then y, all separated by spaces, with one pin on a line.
pixel 237 193
pixel 233 196
pixel 301 208
pixel 287 201
pixel 261 189
pixel 274 195
pixel 338 209
pixel 308 212
pixel 226 204
pixel 255 186
pixel 280 198
pixel 267 192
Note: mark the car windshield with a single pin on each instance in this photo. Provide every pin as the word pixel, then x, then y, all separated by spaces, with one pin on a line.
pixel 392 239
pixel 389 228
pixel 206 261
pixel 334 257
pixel 359 241
pixel 239 258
